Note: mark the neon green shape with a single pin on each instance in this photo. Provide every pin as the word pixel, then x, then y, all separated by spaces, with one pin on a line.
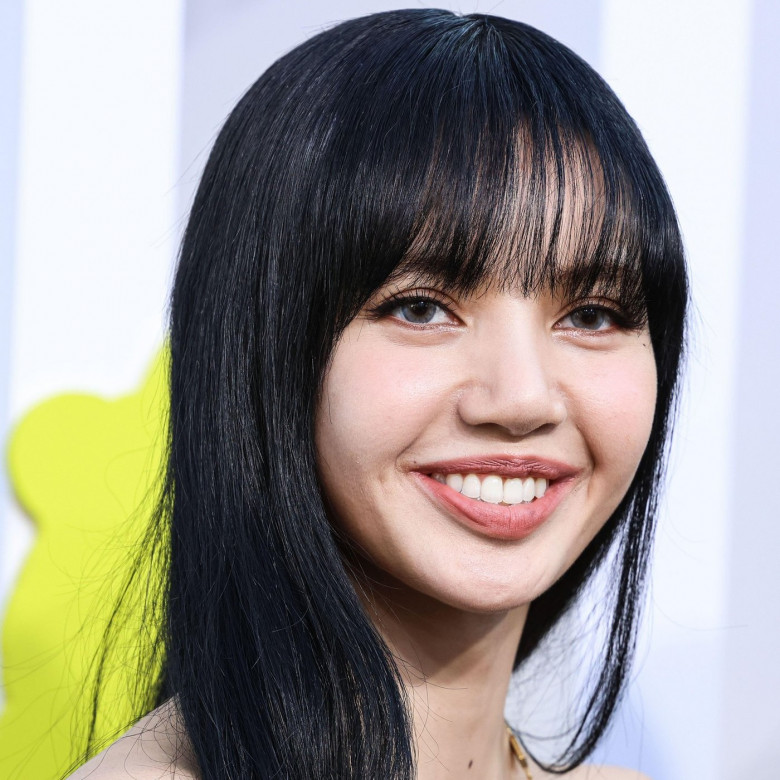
pixel 85 469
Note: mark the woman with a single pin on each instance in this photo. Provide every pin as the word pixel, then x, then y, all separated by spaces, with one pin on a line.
pixel 425 334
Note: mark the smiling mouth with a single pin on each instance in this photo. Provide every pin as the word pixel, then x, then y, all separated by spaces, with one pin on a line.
pixel 494 489
pixel 501 496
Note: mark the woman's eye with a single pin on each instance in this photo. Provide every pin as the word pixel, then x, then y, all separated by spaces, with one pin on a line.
pixel 590 318
pixel 420 312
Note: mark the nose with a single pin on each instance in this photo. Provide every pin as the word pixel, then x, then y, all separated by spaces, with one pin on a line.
pixel 513 380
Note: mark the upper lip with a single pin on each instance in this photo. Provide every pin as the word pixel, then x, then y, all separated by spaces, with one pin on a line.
pixel 506 466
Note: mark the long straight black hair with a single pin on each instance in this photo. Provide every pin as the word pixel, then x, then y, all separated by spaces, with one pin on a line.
pixel 470 148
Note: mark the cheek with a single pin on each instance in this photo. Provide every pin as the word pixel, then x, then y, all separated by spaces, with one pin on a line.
pixel 374 397
pixel 612 407
pixel 375 402
pixel 617 415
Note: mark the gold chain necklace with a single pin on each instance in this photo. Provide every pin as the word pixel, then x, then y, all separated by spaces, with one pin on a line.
pixel 514 743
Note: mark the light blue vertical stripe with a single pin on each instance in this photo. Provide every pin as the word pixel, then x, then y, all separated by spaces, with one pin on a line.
pixel 751 714
pixel 11 16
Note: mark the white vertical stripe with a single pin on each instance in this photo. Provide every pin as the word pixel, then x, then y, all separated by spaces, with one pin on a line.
pixel 682 69
pixel 10 76
pixel 96 227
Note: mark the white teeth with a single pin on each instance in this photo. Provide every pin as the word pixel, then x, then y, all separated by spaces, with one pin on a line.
pixel 455 481
pixel 513 491
pixel 493 489
pixel 471 486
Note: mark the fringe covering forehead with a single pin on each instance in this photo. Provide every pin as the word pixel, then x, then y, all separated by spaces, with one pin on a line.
pixel 493 169
pixel 543 220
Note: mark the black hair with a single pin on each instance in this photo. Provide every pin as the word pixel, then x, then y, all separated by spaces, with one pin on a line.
pixel 445 145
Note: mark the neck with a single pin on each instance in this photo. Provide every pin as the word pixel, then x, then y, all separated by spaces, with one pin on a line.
pixel 456 667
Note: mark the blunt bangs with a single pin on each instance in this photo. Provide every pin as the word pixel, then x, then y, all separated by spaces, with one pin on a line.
pixel 471 153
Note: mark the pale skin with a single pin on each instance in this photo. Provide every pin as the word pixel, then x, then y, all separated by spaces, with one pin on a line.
pixel 491 373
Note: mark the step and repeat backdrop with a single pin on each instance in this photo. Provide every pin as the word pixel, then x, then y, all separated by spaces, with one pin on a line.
pixel 107 114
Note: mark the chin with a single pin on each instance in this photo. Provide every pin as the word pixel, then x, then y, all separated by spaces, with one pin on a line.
pixel 487 604
pixel 482 590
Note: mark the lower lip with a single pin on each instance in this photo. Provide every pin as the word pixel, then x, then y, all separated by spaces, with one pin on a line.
pixel 498 521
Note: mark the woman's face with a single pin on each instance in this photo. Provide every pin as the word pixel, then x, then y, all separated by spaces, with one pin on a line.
pixel 471 447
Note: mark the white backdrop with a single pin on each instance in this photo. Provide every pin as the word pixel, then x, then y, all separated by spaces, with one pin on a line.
pixel 108 111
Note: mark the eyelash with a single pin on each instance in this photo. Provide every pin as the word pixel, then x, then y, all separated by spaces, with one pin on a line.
pixel 619 318
pixel 388 305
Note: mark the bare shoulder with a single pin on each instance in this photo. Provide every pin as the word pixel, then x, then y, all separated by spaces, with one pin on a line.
pixel 153 749
pixel 592 772
pixel 615 773
pixel 596 772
